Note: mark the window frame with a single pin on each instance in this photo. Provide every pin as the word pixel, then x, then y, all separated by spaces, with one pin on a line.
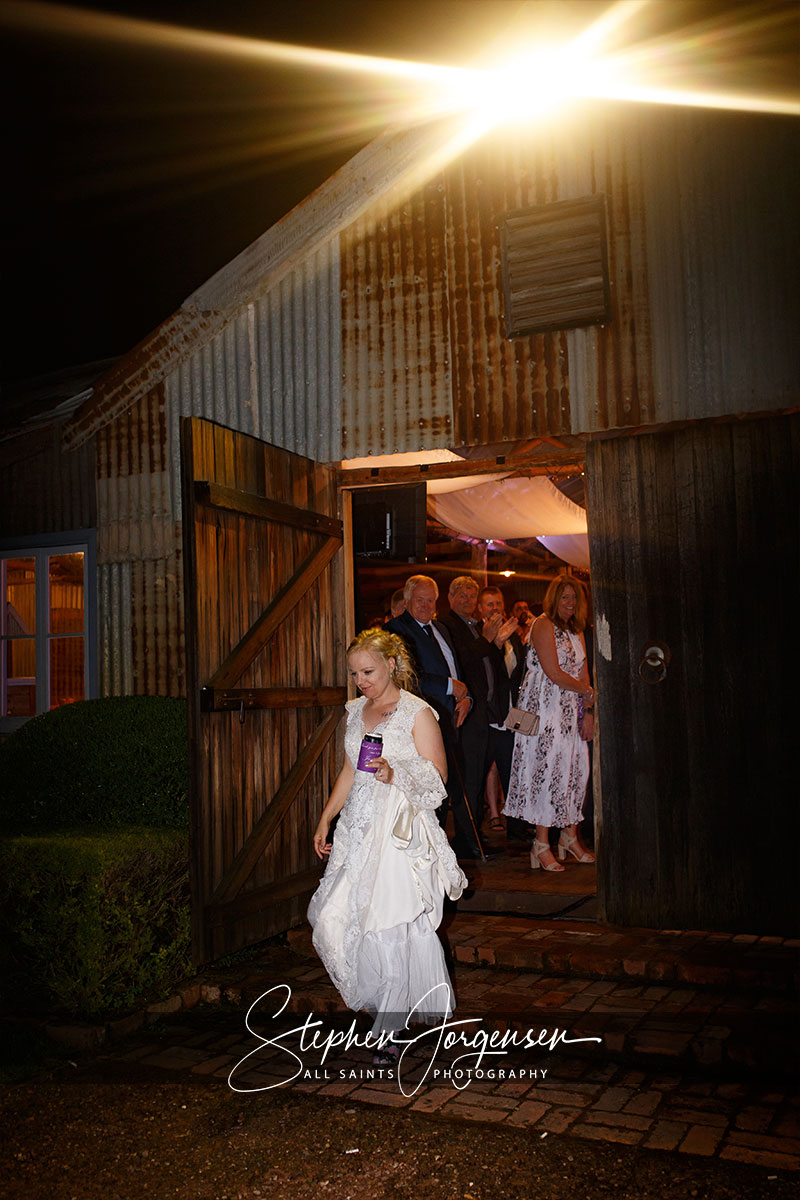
pixel 40 547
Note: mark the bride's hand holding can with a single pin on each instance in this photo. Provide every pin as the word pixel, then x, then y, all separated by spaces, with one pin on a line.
pixel 382 770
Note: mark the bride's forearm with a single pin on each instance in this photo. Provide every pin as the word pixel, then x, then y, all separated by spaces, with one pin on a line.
pixel 339 793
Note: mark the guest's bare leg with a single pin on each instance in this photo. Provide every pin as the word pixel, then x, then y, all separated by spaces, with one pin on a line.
pixel 494 797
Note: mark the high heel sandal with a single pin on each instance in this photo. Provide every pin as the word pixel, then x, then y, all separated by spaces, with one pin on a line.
pixel 566 845
pixel 537 849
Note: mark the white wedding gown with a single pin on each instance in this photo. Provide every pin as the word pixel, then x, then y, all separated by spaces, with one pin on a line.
pixel 379 903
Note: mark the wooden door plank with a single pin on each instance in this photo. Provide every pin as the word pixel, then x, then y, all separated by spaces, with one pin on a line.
pixel 270 820
pixel 247 903
pixel 191 436
pixel 253 642
pixel 249 504
pixel 222 699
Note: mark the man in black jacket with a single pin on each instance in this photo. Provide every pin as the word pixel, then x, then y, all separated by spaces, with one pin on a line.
pixel 440 683
pixel 473 652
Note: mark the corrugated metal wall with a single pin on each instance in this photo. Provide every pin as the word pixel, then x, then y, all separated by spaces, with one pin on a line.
pixel 396 363
pixel 274 372
pixel 721 199
pixel 503 390
pixel 703 261
pixel 421 362
pixel 140 585
pixel 610 366
pixel 42 488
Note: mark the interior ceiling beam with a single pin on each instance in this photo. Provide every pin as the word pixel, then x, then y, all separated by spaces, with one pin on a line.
pixel 454 548
pixel 563 463
pixel 533 553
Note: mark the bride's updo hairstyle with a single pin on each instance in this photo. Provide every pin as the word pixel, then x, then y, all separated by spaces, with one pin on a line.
pixel 387 645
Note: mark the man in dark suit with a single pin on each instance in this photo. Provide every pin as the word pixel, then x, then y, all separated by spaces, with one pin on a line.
pixel 441 684
pixel 473 651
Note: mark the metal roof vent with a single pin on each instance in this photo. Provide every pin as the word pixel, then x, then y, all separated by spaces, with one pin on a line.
pixel 555 267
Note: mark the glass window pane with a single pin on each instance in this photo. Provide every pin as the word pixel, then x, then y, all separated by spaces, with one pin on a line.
pixel 19 601
pixel 66 592
pixel 20 680
pixel 66 670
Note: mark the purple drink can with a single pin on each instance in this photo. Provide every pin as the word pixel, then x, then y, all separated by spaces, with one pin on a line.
pixel 371 747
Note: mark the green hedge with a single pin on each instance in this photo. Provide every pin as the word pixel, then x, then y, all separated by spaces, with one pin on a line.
pixel 111 762
pixel 93 923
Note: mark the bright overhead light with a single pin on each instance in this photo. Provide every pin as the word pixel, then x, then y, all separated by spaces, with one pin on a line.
pixel 525 87
pixel 610 59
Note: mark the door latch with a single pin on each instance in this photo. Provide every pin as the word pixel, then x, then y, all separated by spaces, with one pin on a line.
pixel 654 662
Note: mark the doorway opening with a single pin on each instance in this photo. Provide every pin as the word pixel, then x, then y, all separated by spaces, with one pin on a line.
pixel 398 529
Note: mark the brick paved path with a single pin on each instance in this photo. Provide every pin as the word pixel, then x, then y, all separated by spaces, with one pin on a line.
pixel 697 1053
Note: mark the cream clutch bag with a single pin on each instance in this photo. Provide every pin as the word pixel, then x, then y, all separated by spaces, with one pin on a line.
pixel 520 721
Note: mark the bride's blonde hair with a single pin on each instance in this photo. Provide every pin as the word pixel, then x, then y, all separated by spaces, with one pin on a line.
pixel 387 645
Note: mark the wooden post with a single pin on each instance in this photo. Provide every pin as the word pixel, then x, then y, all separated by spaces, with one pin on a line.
pixel 479 561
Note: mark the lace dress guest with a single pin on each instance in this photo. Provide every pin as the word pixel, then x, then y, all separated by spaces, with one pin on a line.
pixel 375 913
pixel 550 770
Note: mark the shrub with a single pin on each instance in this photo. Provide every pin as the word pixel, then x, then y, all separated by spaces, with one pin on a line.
pixel 94 922
pixel 117 761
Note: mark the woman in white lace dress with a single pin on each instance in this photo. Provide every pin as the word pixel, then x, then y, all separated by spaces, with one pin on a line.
pixel 379 903
pixel 550 770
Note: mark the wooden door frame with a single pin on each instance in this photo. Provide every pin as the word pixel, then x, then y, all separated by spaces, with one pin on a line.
pixel 535 457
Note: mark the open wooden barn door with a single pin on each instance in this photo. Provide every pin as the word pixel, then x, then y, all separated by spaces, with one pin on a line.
pixel 264 633
pixel 694 538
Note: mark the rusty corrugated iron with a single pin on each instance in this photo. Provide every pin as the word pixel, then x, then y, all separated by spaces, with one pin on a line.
pixel 504 389
pixel 396 369
pixel 273 372
pixel 391 164
pixel 702 265
pixel 115 664
pixel 135 521
pixel 140 628
pixel 611 382
pixel 140 592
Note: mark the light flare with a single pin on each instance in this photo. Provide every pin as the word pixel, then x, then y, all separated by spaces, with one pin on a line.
pixel 692 67
pixel 525 85
pixel 83 23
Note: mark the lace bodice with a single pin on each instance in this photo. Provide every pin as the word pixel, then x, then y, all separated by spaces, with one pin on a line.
pixel 414 775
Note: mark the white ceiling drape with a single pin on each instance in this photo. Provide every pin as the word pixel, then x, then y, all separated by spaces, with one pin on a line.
pixel 502 508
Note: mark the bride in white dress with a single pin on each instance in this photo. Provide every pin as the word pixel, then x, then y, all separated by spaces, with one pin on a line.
pixel 379 903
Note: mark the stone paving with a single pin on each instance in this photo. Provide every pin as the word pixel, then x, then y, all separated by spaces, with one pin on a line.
pixel 693 1067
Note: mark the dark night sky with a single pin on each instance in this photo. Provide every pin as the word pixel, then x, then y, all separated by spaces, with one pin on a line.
pixel 134 173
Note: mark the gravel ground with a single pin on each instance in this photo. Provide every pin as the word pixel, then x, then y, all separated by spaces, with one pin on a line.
pixel 119 1131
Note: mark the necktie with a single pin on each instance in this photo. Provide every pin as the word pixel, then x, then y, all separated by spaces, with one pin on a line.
pixel 510 658
pixel 429 632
